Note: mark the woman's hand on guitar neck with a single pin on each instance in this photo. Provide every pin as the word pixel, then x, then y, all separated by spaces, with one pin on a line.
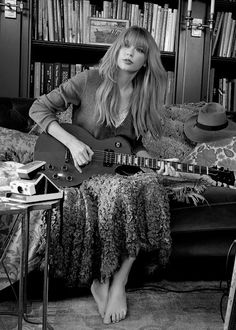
pixel 165 168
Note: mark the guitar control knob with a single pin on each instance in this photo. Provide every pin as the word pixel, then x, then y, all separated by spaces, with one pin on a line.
pixel 118 144
pixel 69 178
pixel 55 176
pixel 64 168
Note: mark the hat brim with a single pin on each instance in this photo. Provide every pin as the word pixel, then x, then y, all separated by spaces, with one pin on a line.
pixel 197 134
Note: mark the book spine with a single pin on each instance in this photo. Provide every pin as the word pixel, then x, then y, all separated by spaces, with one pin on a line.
pixel 35 20
pixel 40 20
pixel 48 77
pixel 62 20
pixel 227 34
pixel 169 21
pixel 65 72
pixel 173 30
pixel 42 79
pixel 66 28
pixel 231 36
pixel 37 70
pixel 50 20
pixel 114 8
pixel 57 74
pixel 164 22
pixel 119 9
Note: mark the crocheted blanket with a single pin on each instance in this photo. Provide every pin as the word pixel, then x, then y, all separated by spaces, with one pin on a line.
pixel 111 216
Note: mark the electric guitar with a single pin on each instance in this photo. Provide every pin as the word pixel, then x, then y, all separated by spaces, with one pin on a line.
pixel 109 154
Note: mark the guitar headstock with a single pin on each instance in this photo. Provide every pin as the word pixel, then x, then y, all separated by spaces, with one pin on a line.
pixel 222 175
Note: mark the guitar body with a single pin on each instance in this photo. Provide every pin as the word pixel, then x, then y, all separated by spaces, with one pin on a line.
pixel 60 166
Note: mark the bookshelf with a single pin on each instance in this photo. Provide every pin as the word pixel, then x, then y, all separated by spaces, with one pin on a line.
pixel 51 44
pixel 222 75
pixel 21 47
pixel 45 49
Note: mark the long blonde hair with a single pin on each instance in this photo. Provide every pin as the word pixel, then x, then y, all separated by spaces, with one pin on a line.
pixel 148 84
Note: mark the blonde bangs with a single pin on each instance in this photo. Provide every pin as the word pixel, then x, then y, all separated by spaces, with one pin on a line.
pixel 136 38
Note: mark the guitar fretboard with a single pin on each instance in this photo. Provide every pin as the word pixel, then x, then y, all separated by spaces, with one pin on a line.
pixel 153 163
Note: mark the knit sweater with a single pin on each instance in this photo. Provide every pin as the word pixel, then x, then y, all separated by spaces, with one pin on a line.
pixel 80 91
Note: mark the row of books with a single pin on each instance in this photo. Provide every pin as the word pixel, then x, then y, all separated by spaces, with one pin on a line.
pixel 68 20
pixel 159 21
pixel 224 35
pixel 224 92
pixel 47 76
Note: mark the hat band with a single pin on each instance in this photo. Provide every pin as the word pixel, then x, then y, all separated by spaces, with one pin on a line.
pixel 211 128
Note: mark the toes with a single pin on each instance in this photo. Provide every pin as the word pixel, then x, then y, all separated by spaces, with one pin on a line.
pixel 107 319
pixel 123 315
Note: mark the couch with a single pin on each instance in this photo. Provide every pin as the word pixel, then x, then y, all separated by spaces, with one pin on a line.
pixel 201 234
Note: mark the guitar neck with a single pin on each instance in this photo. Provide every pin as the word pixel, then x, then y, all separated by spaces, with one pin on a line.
pixel 155 164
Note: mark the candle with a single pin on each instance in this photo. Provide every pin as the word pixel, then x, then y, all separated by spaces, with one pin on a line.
pixel 212 7
pixel 189 5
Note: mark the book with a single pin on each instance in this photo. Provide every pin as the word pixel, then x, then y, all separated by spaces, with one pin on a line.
pixel 226 35
pixel 62 20
pixel 163 29
pixel 85 14
pixel 57 74
pixel 37 73
pixel 119 9
pixel 48 77
pixel 217 32
pixel 154 19
pixel 70 20
pixel 66 27
pixel 145 14
pixel 173 30
pixel 150 17
pixel 40 20
pixel 45 20
pixel 168 32
pixel 55 22
pixel 231 36
pixel 159 25
pixel 114 8
pixel 223 32
pixel 58 13
pixel 65 72
pixel 42 77
pixel 50 20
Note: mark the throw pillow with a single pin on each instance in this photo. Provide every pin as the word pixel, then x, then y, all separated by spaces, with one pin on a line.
pixel 16 146
pixel 218 153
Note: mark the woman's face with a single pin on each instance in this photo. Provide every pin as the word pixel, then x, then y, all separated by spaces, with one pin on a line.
pixel 131 58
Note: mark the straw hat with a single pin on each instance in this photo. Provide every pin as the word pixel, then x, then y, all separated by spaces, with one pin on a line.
pixel 210 124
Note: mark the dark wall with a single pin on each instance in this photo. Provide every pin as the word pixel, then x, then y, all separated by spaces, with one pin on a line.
pixel 14 53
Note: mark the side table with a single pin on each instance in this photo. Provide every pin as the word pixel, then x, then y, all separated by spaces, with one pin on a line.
pixel 7 207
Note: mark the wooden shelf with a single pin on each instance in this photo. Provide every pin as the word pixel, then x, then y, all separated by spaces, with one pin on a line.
pixel 50 51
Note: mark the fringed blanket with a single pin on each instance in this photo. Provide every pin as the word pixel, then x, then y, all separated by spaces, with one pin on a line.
pixel 111 216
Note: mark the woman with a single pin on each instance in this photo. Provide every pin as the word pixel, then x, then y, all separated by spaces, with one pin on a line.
pixel 123 97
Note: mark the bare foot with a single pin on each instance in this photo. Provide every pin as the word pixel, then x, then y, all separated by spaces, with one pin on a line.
pixel 117 304
pixel 100 295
